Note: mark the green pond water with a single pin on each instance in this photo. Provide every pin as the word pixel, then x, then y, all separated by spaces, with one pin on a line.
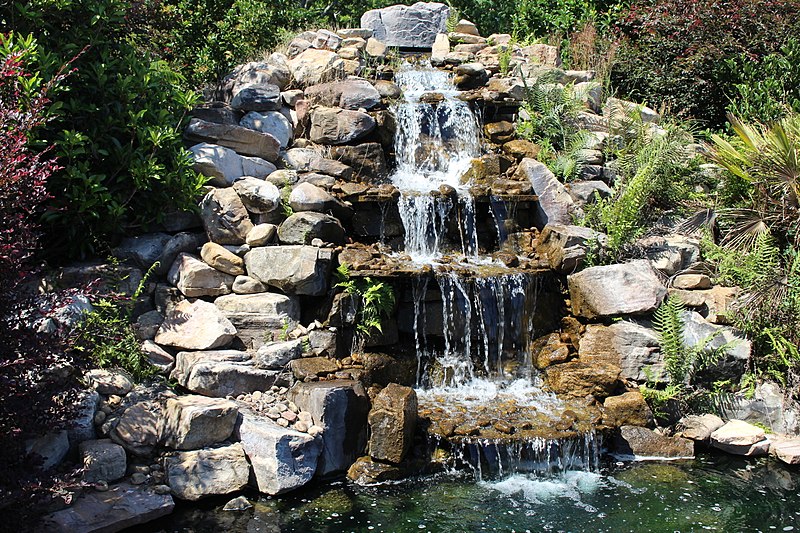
pixel 711 493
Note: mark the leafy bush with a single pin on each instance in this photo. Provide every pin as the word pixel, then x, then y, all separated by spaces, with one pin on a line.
pixel 36 373
pixel 117 126
pixel 770 89
pixel 674 53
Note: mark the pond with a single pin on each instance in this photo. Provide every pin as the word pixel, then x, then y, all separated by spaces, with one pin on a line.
pixel 712 493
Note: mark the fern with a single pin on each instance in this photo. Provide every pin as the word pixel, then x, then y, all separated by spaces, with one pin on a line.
pixel 375 300
pixel 668 322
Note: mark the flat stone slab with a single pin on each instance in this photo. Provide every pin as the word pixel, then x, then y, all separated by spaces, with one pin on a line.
pixel 786 449
pixel 221 373
pixel 740 438
pixel 122 506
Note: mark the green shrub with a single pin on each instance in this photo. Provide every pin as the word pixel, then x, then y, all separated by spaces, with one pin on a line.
pixel 374 300
pixel 117 126
pixel 770 89
pixel 673 53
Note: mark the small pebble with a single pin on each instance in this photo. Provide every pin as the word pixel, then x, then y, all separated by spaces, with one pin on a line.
pixel 162 489
pixel 281 407
pixel 314 430
pixel 99 418
pixel 283 422
pixel 293 408
pixel 288 415
pixel 101 486
pixel 155 467
pixel 305 416
pixel 256 396
pixel 238 504
pixel 300 426
pixel 138 478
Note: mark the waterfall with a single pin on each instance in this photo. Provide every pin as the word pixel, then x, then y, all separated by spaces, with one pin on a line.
pixel 437 138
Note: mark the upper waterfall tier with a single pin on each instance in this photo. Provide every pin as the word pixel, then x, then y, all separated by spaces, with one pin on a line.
pixel 437 134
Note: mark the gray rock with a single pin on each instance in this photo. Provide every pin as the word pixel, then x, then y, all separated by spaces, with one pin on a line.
pixel 603 291
pixel 195 325
pixel 282 459
pixel 224 217
pixel 786 450
pixel 642 443
pixel 618 111
pixel 192 422
pixel 297 46
pixel 340 407
pixel 224 166
pixel 308 160
pixel 392 420
pixel 122 507
pixel 567 246
pixel 272 122
pixel 312 67
pixel 585 192
pixel 339 126
pixel 740 438
pixel 178 243
pixel 258 196
pixel 109 381
pixel 737 349
pixel 292 269
pixel 243 141
pixel 326 40
pixel 413 26
pixel 240 503
pixel 195 278
pixel 196 474
pixel 376 49
pixel 220 373
pixel 767 407
pixel 81 427
pixel 634 347
pixel 352 33
pixel 248 285
pixel 147 324
pixel 304 227
pixel 273 71
pixel 555 204
pixel 308 197
pixel 257 97
pixel 142 250
pixel 276 355
pixel 138 429
pixel 102 460
pixel 52 448
pixel 699 427
pixel 260 235
pixel 157 356
pixel 323 343
pixel 692 282
pixel 291 97
pixel 261 317
pixel 351 94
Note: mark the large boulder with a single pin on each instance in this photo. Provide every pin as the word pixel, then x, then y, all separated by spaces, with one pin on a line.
pixel 414 26
pixel 273 122
pixel 224 217
pixel 194 475
pixel 555 205
pixel 352 93
pixel 340 408
pixel 292 269
pixel 195 278
pixel 51 448
pixel 195 325
pixel 282 459
pixel 699 427
pixel 392 420
pixel 308 197
pixel 243 141
pixel 604 291
pixel 221 373
pixel 367 161
pixel 191 422
pixel 634 347
pixel 309 160
pixel 312 67
pixel 273 70
pixel 103 460
pixel 261 317
pixel 567 246
pixel 304 227
pixel 634 442
pixel 331 125
pixel 179 243
pixel 740 438
pixel 142 250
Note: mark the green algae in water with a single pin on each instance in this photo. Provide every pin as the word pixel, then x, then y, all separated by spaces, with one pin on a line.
pixel 713 493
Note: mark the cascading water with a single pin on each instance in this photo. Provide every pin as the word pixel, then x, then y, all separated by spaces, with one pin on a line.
pixel 437 138
pixel 474 363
